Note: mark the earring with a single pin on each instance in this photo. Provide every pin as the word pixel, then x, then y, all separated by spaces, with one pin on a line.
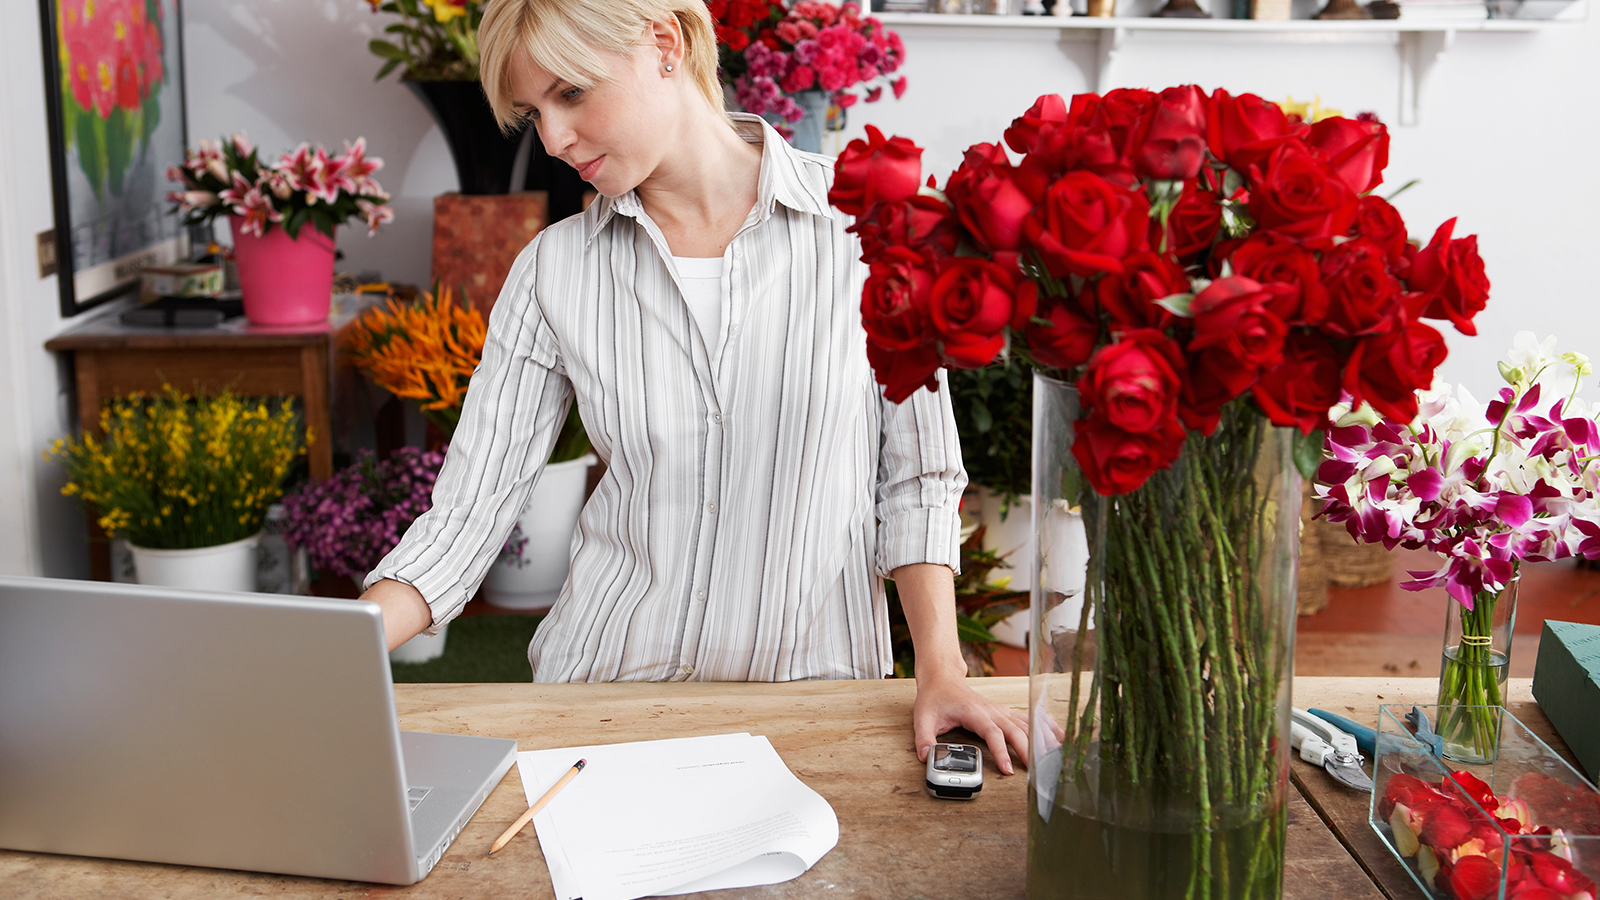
pixel 669 67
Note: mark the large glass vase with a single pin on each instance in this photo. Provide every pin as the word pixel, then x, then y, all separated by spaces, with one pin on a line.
pixel 1161 653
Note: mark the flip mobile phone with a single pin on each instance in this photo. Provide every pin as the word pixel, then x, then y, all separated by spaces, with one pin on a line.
pixel 955 771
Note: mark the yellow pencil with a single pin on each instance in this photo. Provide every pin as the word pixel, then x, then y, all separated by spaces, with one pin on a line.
pixel 533 810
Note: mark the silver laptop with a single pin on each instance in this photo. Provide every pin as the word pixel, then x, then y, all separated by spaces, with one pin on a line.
pixel 241 731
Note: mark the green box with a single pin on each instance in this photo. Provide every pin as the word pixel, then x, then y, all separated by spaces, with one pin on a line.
pixel 1566 682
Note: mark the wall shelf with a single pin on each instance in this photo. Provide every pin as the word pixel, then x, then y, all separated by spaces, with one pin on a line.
pixel 1420 43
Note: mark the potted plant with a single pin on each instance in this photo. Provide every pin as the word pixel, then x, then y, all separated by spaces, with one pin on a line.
pixel 285 268
pixel 802 65
pixel 348 522
pixel 435 45
pixel 426 350
pixel 186 481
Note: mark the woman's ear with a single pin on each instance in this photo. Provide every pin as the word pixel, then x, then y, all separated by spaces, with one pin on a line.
pixel 667 36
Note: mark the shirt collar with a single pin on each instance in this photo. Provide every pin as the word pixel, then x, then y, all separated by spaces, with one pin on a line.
pixel 788 176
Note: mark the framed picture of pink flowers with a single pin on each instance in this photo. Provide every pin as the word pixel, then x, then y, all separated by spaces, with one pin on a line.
pixel 115 109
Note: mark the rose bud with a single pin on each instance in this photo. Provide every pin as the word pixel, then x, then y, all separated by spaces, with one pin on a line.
pixel 873 170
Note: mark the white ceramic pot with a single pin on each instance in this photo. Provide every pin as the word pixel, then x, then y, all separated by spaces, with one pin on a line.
pixel 225 567
pixel 1009 532
pixel 421 648
pixel 529 575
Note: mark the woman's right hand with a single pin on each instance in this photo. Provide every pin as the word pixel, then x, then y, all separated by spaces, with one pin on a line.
pixel 405 613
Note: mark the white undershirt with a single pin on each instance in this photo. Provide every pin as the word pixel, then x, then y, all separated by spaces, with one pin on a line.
pixel 702 290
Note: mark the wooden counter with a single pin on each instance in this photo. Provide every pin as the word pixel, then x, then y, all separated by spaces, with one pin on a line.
pixel 848 740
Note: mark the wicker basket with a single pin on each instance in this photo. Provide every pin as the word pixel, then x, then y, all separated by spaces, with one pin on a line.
pixel 1313 587
pixel 1349 563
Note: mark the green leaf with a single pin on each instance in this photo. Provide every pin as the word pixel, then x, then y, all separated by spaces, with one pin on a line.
pixel 91 135
pixel 1178 304
pixel 1231 182
pixel 385 69
pixel 1403 188
pixel 969 629
pixel 981 419
pixel 1308 452
pixel 119 149
pixel 151 114
pixel 386 50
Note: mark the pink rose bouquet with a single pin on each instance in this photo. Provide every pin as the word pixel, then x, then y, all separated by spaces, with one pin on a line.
pixel 770 53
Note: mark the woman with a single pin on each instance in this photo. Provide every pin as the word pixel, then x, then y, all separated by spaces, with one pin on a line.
pixel 705 314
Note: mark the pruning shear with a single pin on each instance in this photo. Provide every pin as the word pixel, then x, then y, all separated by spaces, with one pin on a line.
pixel 1322 744
pixel 1367 738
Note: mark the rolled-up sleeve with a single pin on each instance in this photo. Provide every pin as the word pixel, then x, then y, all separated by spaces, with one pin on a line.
pixel 920 482
pixel 515 405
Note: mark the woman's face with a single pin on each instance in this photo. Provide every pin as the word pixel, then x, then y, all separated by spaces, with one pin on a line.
pixel 605 131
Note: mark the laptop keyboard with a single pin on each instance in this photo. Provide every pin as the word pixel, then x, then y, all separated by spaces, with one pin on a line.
pixel 414 796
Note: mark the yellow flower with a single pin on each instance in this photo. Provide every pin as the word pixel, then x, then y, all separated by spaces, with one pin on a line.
pixel 1309 112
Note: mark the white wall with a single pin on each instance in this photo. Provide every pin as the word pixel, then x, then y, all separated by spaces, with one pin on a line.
pixel 40 531
pixel 287 71
pixel 1507 141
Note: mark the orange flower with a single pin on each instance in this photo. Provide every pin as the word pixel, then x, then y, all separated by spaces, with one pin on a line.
pixel 425 350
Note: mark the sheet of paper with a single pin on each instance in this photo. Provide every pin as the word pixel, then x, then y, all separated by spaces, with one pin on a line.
pixel 675 816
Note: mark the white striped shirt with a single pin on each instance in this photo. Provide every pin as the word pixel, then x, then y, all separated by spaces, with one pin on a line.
pixel 757 482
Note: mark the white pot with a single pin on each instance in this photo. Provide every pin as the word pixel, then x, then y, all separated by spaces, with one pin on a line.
pixel 531 578
pixel 1012 538
pixel 421 648
pixel 225 567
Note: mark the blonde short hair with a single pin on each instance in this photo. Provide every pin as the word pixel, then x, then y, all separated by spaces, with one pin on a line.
pixel 566 38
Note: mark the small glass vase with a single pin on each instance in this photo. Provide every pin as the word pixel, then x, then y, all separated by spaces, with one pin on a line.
pixel 1472 673
pixel 1160 651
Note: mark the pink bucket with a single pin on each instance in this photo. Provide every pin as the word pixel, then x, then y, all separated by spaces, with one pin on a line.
pixel 284 281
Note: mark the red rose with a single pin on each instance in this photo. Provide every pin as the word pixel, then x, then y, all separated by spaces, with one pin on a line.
pixel 1173 143
pixel 1192 225
pixel 1134 383
pixel 971 304
pixel 1295 194
pixel 1387 370
pixel 1068 340
pixel 1379 222
pixel 1357 151
pixel 895 300
pixel 1299 391
pixel 1243 130
pixel 990 204
pixel 901 372
pixel 1235 338
pixel 1117 461
pixel 1130 298
pixel 924 224
pixel 1074 148
pixel 1286 271
pixel 1450 273
pixel 1047 111
pixel 1086 225
pixel 1363 298
pixel 873 170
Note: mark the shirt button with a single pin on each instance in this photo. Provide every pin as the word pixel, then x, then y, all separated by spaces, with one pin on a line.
pixel 687 670
pixel 712 506
pixel 738 253
pixel 701 595
pixel 717 418
pixel 734 328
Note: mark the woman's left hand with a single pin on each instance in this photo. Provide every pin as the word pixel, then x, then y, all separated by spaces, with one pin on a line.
pixel 946 701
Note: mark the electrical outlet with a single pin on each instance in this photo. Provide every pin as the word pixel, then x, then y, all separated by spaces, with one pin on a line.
pixel 47 253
